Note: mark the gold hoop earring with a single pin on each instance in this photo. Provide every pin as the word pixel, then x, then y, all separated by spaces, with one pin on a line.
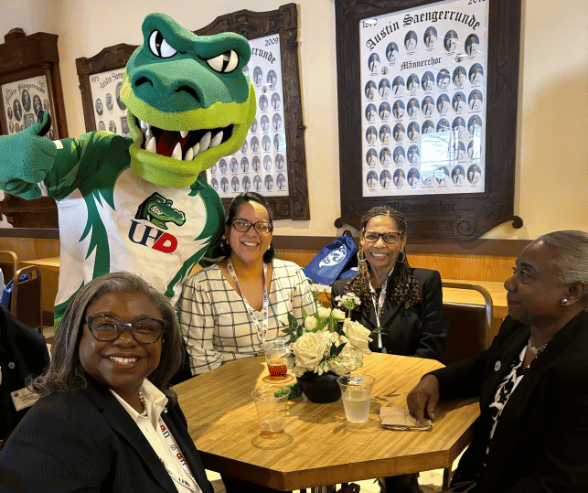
pixel 361 256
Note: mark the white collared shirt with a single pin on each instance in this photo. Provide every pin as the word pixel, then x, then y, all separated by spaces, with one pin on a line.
pixel 155 402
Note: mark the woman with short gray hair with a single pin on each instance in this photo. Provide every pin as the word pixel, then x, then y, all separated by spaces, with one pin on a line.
pixel 532 382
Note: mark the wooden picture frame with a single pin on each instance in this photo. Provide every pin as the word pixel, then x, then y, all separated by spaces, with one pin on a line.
pixel 35 56
pixel 251 25
pixel 463 216
pixel 30 64
pixel 110 59
pixel 283 21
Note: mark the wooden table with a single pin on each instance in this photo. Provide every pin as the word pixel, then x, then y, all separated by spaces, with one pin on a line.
pixel 319 447
pixel 50 263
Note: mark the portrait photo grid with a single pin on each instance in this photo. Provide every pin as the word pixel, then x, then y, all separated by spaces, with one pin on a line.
pixel 110 113
pixel 261 163
pixel 423 85
pixel 24 103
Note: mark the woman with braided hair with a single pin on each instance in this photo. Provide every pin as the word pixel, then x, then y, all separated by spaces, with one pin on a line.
pixel 404 303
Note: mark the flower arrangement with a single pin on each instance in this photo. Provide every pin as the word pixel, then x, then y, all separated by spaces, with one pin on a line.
pixel 328 340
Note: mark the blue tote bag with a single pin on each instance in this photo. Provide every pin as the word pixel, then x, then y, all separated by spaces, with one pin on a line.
pixel 335 261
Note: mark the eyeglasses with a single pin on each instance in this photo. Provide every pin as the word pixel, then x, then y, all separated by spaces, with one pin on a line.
pixel 242 225
pixel 107 328
pixel 390 238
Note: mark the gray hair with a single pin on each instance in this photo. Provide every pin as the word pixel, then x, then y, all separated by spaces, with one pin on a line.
pixel 65 370
pixel 572 262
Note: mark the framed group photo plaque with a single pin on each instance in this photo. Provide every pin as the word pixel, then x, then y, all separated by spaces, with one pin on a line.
pixel 272 160
pixel 30 83
pixel 100 83
pixel 431 126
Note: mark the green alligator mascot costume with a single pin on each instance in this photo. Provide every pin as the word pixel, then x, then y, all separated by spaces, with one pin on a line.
pixel 138 204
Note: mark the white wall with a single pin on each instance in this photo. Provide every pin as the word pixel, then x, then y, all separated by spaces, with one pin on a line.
pixel 552 157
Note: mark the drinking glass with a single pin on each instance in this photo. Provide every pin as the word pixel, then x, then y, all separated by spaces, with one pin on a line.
pixel 278 355
pixel 356 392
pixel 270 402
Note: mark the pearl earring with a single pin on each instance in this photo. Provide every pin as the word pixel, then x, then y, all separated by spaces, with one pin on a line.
pixel 564 301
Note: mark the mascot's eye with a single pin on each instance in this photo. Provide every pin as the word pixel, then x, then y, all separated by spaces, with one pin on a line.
pixel 159 46
pixel 225 62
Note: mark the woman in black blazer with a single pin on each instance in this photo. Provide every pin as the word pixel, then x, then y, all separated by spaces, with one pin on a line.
pixel 107 421
pixel 403 307
pixel 409 301
pixel 532 382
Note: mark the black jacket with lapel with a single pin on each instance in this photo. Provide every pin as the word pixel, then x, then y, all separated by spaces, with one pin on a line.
pixel 420 330
pixel 85 441
pixel 540 443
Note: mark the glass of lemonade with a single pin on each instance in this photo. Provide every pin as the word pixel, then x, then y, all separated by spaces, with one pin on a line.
pixel 271 404
pixel 356 392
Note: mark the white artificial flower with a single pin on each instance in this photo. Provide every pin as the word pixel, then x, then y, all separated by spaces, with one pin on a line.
pixel 349 298
pixel 323 311
pixel 350 359
pixel 333 338
pixel 310 323
pixel 323 367
pixel 358 335
pixel 309 350
pixel 338 315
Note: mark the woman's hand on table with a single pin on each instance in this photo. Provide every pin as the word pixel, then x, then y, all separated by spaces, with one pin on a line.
pixel 423 399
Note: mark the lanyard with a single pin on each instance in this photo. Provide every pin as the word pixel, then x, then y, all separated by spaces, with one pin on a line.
pixel 261 328
pixel 379 307
pixel 189 483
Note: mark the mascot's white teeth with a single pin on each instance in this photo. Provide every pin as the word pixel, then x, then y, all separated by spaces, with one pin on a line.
pixel 187 150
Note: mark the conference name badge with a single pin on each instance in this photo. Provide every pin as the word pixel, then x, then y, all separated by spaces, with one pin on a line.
pixel 23 398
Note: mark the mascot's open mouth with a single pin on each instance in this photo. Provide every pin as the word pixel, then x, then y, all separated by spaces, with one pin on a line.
pixel 183 145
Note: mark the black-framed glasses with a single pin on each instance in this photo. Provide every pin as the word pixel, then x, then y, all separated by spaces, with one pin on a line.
pixel 390 238
pixel 108 328
pixel 242 225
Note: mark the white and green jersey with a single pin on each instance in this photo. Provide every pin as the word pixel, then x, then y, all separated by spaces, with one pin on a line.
pixel 110 219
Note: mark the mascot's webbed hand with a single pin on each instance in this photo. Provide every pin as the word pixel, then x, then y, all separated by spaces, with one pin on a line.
pixel 26 157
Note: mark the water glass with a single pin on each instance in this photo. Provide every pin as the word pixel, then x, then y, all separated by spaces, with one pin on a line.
pixel 356 392
pixel 271 403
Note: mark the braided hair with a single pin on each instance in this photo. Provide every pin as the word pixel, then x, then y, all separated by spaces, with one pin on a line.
pixel 405 290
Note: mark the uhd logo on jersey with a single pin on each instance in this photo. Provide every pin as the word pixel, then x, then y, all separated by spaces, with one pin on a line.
pixel 334 258
pixel 157 210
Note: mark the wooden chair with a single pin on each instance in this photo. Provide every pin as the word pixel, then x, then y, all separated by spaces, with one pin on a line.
pixel 26 298
pixel 8 264
pixel 470 333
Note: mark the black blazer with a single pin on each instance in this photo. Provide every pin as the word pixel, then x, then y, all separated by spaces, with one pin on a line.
pixel 84 440
pixel 419 331
pixel 23 352
pixel 541 441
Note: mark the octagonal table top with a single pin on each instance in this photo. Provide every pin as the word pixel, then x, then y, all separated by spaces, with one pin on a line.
pixel 319 447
